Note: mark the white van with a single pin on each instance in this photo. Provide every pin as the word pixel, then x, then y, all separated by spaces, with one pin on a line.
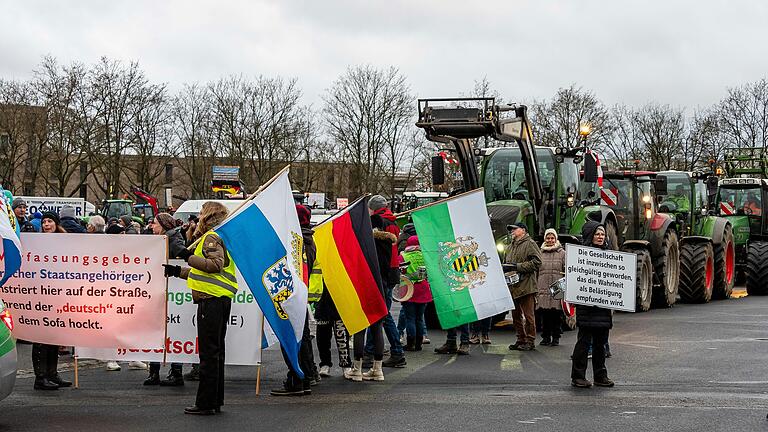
pixel 192 207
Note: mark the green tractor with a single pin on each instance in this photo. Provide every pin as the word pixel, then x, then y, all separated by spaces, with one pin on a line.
pixel 646 232
pixel 742 200
pixel 538 186
pixel 707 249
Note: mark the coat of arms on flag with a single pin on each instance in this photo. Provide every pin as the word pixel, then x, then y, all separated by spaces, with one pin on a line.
pixel 461 264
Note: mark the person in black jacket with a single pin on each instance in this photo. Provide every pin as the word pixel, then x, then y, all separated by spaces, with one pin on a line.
pixel 594 324
pixel 164 224
pixel 19 207
pixel 68 221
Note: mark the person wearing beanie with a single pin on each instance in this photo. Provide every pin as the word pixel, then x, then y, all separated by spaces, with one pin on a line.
pixel 165 224
pixel 45 357
pixel 37 217
pixel 127 223
pixel 68 221
pixel 552 269
pixel 293 385
pixel 19 207
pixel 378 206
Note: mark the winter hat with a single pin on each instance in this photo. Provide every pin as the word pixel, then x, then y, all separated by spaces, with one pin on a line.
pixel 18 202
pixel 304 215
pixel 377 202
pixel 52 216
pixel 67 211
pixel 550 231
pixel 37 215
pixel 126 220
pixel 114 229
pixel 166 221
pixel 412 241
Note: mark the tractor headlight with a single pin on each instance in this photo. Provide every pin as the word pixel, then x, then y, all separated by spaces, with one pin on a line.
pixel 500 247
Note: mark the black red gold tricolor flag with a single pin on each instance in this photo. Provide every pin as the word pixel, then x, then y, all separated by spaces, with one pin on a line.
pixel 347 255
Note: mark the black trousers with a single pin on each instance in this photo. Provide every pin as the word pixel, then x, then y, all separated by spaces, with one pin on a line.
pixel 45 360
pixel 326 332
pixel 551 323
pixel 306 361
pixel 212 318
pixel 377 331
pixel 598 338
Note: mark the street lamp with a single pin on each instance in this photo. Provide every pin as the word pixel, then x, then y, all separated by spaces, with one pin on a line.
pixel 585 128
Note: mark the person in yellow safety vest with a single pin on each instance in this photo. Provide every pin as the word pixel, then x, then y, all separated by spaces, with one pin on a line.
pixel 212 279
pixel 315 285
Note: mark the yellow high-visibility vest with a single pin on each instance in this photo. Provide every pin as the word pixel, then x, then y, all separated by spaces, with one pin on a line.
pixel 315 282
pixel 216 284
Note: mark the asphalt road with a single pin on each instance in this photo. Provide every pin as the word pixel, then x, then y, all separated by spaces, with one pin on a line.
pixel 691 367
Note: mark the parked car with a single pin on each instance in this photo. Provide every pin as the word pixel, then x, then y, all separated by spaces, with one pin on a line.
pixel 192 207
pixel 7 353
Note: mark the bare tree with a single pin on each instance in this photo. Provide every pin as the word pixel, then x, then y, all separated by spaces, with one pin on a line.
pixel 661 130
pixel 22 134
pixel 556 123
pixel 364 111
pixel 743 115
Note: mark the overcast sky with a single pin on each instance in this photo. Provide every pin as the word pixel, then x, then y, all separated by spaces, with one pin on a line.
pixel 684 53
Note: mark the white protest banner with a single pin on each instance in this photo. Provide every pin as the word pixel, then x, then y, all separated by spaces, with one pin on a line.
pixel 89 289
pixel 599 277
pixel 243 332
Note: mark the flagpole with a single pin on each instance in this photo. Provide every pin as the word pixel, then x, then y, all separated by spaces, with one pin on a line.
pixel 261 353
pixel 345 209
pixel 438 202
pixel 77 380
pixel 165 334
pixel 247 200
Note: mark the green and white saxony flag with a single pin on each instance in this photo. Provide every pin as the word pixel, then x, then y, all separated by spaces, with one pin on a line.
pixel 463 266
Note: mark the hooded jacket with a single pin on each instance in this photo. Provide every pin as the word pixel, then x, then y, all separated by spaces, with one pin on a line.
pixel 526 254
pixel 390 226
pixel 552 268
pixel 593 316
pixel 385 242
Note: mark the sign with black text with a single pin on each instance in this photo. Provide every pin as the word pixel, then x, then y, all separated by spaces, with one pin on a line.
pixel 600 277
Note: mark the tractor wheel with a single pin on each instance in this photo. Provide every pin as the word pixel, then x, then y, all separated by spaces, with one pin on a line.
pixel 697 269
pixel 644 280
pixel 757 268
pixel 725 265
pixel 667 268
pixel 612 234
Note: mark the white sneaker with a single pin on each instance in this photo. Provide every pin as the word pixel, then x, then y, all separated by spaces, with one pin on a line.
pixel 113 366
pixel 138 365
pixel 325 371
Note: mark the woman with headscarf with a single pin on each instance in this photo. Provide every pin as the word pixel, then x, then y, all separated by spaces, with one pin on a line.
pixel 45 358
pixel 552 269
pixel 212 279
pixel 594 324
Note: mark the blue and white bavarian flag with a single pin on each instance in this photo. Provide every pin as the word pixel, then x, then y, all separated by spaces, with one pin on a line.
pixel 264 238
pixel 10 254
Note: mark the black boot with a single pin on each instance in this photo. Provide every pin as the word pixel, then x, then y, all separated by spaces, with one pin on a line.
pixel 174 379
pixel 410 344
pixel 56 379
pixel 45 384
pixel 194 374
pixel 152 379
pixel 449 347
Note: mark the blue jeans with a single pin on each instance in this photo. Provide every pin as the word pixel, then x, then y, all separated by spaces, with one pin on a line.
pixel 390 329
pixel 463 329
pixel 402 322
pixel 414 318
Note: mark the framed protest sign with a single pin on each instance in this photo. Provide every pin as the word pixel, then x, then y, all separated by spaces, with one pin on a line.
pixel 600 277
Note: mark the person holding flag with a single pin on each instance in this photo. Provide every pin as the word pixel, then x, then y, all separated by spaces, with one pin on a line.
pixel 213 281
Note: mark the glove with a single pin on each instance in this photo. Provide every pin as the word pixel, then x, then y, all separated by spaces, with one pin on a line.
pixel 509 267
pixel 172 270
pixel 185 254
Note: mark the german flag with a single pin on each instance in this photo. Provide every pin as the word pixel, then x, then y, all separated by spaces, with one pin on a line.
pixel 347 253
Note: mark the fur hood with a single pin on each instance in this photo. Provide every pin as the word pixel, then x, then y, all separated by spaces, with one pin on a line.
pixel 384 235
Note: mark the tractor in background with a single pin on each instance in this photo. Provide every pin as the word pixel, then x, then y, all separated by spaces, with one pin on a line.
pixel 742 198
pixel 707 248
